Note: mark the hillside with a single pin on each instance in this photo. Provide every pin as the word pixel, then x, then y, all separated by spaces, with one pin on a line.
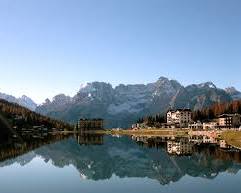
pixel 199 115
pixel 15 117
pixel 23 101
pixel 218 109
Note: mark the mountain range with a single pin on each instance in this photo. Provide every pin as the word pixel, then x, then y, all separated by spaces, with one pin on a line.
pixel 23 101
pixel 124 104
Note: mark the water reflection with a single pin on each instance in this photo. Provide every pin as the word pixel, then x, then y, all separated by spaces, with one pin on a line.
pixel 180 146
pixel 89 139
pixel 98 157
pixel 20 143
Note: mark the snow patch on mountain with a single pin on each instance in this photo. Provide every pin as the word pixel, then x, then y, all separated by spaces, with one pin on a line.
pixel 207 84
pixel 129 106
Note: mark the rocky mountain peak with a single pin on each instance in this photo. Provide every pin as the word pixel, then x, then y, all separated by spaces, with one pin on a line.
pixel 47 101
pixel 23 101
pixel 95 86
pixel 207 85
pixel 235 94
pixel 24 97
pixel 163 80
pixel 100 91
pixel 124 104
pixel 231 90
pixel 27 102
pixel 61 99
pixel 164 85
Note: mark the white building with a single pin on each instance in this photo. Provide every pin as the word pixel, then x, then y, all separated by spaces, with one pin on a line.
pixel 209 139
pixel 223 144
pixel 180 117
pixel 195 126
pixel 210 125
pixel 229 120
pixel 205 139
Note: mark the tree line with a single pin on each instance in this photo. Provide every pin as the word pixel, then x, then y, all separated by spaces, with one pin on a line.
pixel 28 118
pixel 152 121
pixel 217 109
pixel 199 115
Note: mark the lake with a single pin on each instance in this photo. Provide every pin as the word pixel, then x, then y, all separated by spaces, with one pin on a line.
pixel 106 164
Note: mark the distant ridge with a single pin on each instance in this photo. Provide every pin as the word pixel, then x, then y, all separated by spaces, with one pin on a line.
pixel 23 101
pixel 124 104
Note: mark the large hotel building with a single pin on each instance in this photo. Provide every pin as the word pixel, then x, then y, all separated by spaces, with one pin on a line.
pixel 179 117
pixel 90 124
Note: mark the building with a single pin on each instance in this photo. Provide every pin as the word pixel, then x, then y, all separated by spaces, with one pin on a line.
pixel 196 139
pixel 203 139
pixel 179 147
pixel 223 144
pixel 195 126
pixel 212 125
pixel 229 121
pixel 90 124
pixel 209 139
pixel 139 126
pixel 180 117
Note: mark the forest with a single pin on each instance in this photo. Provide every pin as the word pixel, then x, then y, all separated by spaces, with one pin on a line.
pixel 217 109
pixel 11 114
pixel 199 115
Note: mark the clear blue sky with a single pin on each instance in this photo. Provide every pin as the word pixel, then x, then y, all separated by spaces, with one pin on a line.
pixel 52 46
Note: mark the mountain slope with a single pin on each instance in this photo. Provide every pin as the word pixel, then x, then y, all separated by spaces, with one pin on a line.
pixel 124 104
pixel 14 117
pixel 23 101
pixel 198 96
pixel 235 94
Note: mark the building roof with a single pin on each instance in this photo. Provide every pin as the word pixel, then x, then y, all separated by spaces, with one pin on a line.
pixel 181 110
pixel 227 115
pixel 95 119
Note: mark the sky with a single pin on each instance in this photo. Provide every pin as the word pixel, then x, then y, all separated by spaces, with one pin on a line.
pixel 49 47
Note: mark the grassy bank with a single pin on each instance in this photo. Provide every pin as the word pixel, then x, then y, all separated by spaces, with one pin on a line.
pixel 144 132
pixel 233 138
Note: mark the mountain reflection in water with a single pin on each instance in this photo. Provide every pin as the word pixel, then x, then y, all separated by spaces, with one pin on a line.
pixel 98 157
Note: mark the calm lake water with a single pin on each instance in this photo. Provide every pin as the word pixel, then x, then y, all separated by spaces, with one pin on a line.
pixel 106 164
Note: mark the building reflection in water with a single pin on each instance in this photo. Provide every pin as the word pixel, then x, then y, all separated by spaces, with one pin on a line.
pixel 182 146
pixel 89 139
pixel 200 139
pixel 173 145
pixel 152 142
pixel 98 157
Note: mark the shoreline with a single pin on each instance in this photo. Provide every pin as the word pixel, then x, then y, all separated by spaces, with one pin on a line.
pixel 232 137
pixel 142 132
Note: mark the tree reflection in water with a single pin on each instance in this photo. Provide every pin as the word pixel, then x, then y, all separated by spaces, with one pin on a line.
pixel 99 157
